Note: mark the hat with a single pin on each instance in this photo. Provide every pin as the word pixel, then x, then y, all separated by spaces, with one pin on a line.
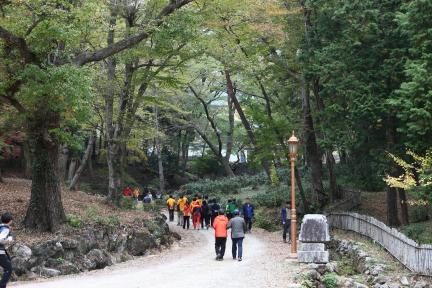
pixel 236 212
pixel 6 217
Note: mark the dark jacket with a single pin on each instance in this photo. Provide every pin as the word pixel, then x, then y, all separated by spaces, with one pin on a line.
pixel 248 210
pixel 285 215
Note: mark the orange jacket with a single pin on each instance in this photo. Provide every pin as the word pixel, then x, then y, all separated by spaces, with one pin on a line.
pixel 187 210
pixel 220 226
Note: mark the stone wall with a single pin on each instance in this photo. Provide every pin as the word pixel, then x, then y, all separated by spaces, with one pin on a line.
pixel 91 247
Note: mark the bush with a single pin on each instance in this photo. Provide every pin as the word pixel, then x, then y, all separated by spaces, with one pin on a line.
pixel 419 214
pixel 330 280
pixel 127 202
pixel 74 220
pixel 273 197
pixel 267 219
pixel 414 231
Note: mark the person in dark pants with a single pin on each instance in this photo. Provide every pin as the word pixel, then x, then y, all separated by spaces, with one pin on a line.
pixel 214 209
pixel 248 214
pixel 186 216
pixel 171 204
pixel 205 214
pixel 286 221
pixel 238 230
pixel 5 239
pixel 220 226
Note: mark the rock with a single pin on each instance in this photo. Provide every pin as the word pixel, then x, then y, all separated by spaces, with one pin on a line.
pixel 20 265
pixel 331 267
pixel 46 272
pixel 69 243
pixel 421 284
pixel 67 268
pixel 312 266
pixel 313 256
pixel 139 242
pixel 98 258
pixel 312 247
pixel 313 275
pixel 314 229
pixel 30 276
pixel 21 251
pixel 404 281
pixel 48 249
pixel 381 279
pixel 394 285
pixel 359 285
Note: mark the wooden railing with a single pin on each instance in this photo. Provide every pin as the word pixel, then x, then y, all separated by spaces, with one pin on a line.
pixel 416 257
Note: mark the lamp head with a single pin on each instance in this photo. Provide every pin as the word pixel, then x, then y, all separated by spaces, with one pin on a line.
pixel 293 144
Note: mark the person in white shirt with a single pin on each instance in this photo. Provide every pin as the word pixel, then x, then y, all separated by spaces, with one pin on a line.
pixel 5 239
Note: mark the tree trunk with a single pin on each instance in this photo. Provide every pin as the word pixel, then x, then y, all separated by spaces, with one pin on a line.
pixel 63 160
pixel 392 207
pixel 404 206
pixel 334 188
pixel 159 155
pixel 87 155
pixel 312 151
pixel 230 132
pixel 72 168
pixel 230 90
pixel 392 203
pixel 306 204
pixel 27 160
pixel 45 211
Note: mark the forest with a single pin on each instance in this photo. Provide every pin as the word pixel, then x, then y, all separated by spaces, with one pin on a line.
pixel 100 94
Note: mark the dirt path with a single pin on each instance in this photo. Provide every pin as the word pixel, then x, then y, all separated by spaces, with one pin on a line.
pixel 189 264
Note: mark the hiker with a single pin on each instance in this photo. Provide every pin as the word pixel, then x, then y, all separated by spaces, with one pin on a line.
pixel 171 203
pixel 127 192
pixel 196 213
pixel 286 222
pixel 186 215
pixel 238 230
pixel 180 209
pixel 136 192
pixel 231 207
pixel 248 214
pixel 147 198
pixel 220 226
pixel 205 213
pixel 214 209
pixel 5 239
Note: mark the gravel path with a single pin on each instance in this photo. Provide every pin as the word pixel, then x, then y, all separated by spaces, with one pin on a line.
pixel 191 263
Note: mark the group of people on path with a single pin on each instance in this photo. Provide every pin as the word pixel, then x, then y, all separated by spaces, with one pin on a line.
pixel 207 213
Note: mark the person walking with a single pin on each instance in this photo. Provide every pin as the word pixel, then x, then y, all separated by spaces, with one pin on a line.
pixel 220 226
pixel 171 203
pixel 205 214
pixel 238 229
pixel 286 221
pixel 231 207
pixel 5 239
pixel 180 209
pixel 214 210
pixel 186 216
pixel 248 214
pixel 196 213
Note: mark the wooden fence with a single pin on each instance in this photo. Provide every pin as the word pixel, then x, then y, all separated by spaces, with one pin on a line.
pixel 417 258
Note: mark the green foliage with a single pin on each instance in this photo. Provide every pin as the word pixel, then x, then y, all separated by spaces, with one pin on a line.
pixel 127 202
pixel 330 280
pixel 414 231
pixel 273 197
pixel 74 220
pixel 419 213
pixel 274 179
pixel 267 219
pixel 206 165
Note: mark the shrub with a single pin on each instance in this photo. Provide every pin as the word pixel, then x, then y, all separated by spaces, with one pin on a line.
pixel 273 197
pixel 127 202
pixel 74 220
pixel 414 231
pixel 330 280
pixel 274 179
pixel 267 219
pixel 419 214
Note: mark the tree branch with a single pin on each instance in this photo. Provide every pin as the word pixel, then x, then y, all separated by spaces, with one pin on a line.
pixel 87 57
pixel 19 43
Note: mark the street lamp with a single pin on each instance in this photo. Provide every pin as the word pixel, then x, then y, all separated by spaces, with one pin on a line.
pixel 293 148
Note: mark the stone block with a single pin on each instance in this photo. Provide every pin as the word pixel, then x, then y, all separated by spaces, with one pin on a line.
pixel 313 256
pixel 314 229
pixel 312 247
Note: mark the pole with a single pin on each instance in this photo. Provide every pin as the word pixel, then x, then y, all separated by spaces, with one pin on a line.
pixel 293 211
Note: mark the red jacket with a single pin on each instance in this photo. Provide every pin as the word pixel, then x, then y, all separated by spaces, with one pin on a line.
pixel 220 226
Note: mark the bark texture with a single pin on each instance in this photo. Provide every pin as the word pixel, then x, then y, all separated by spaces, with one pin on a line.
pixel 84 160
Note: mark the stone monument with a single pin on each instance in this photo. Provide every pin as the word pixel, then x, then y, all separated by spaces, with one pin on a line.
pixel 314 233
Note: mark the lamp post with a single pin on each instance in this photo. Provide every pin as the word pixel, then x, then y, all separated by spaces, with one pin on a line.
pixel 293 147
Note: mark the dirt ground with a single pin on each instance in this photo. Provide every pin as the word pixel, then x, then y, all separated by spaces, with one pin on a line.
pixel 15 195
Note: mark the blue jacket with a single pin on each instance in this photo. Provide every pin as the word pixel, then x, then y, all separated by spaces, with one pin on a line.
pixel 248 210
pixel 284 215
